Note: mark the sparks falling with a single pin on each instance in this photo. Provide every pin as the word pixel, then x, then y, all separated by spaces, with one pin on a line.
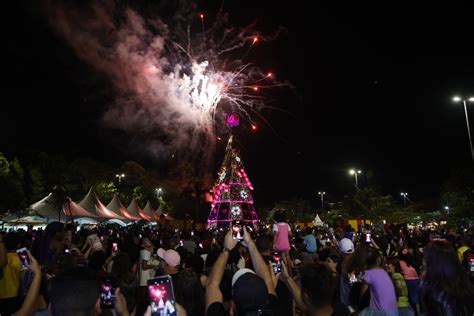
pixel 175 78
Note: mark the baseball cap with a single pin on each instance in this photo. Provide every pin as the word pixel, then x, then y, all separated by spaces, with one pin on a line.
pixel 171 257
pixel 346 246
pixel 249 291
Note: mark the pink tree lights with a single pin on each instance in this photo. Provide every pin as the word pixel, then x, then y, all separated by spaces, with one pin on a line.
pixel 232 198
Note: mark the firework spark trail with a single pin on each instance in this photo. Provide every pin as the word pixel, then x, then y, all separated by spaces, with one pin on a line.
pixel 162 87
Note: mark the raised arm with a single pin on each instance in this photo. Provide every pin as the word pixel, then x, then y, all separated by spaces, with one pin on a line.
pixel 28 304
pixel 213 293
pixel 260 267
pixel 293 288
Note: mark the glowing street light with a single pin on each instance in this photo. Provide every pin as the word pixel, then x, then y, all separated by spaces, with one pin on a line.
pixel 120 176
pixel 159 191
pixel 354 173
pixel 322 199
pixel 464 101
pixel 447 209
pixel 405 198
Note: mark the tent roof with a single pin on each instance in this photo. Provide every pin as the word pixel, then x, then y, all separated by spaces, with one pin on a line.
pixel 134 208
pixel 147 212
pixel 46 207
pixel 86 220
pixel 88 203
pixel 117 207
pixel 159 210
pixel 93 205
pixel 76 210
pixel 104 212
pixel 31 219
pixel 317 221
pixel 116 221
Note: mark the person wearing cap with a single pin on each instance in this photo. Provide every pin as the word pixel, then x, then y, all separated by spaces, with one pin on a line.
pixel 252 292
pixel 346 247
pixel 170 263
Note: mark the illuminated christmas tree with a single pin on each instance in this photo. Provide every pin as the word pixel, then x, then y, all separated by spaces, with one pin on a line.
pixel 232 199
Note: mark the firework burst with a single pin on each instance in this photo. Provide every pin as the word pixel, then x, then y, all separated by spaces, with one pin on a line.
pixel 175 78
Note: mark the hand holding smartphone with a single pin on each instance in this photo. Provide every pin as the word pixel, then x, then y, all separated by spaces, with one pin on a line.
pixel 114 247
pixel 108 286
pixel 367 238
pixel 352 278
pixel 237 231
pixel 276 260
pixel 162 296
pixel 24 257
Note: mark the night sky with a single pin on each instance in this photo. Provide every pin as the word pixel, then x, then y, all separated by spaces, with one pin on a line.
pixel 372 84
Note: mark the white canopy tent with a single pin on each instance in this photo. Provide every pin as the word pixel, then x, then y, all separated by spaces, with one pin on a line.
pixel 29 220
pixel 317 221
pixel 48 208
pixel 90 210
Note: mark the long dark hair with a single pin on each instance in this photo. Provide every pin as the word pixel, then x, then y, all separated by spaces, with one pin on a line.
pixel 396 263
pixel 190 293
pixel 445 276
pixel 357 261
pixel 409 259
pixel 279 216
pixel 373 256
pixel 337 260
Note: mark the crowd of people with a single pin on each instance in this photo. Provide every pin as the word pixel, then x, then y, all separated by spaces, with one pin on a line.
pixel 390 270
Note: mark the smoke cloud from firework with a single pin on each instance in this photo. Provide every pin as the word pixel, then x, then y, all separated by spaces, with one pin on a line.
pixel 173 81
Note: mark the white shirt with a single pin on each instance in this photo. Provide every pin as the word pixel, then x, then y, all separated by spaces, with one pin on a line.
pixel 144 275
pixel 95 241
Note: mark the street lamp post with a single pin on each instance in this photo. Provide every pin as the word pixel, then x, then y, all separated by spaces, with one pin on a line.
pixel 355 172
pixel 119 176
pixel 464 101
pixel 322 199
pixel 158 192
pixel 404 194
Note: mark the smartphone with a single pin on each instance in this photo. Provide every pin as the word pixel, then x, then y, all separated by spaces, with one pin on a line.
pixel 471 264
pixel 66 250
pixel 367 237
pixel 162 296
pixel 352 278
pixel 237 232
pixel 192 233
pixel 24 258
pixel 181 243
pixel 114 247
pixel 107 292
pixel 276 261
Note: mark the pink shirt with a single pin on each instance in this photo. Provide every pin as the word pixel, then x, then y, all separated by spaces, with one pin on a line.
pixel 409 273
pixel 282 243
